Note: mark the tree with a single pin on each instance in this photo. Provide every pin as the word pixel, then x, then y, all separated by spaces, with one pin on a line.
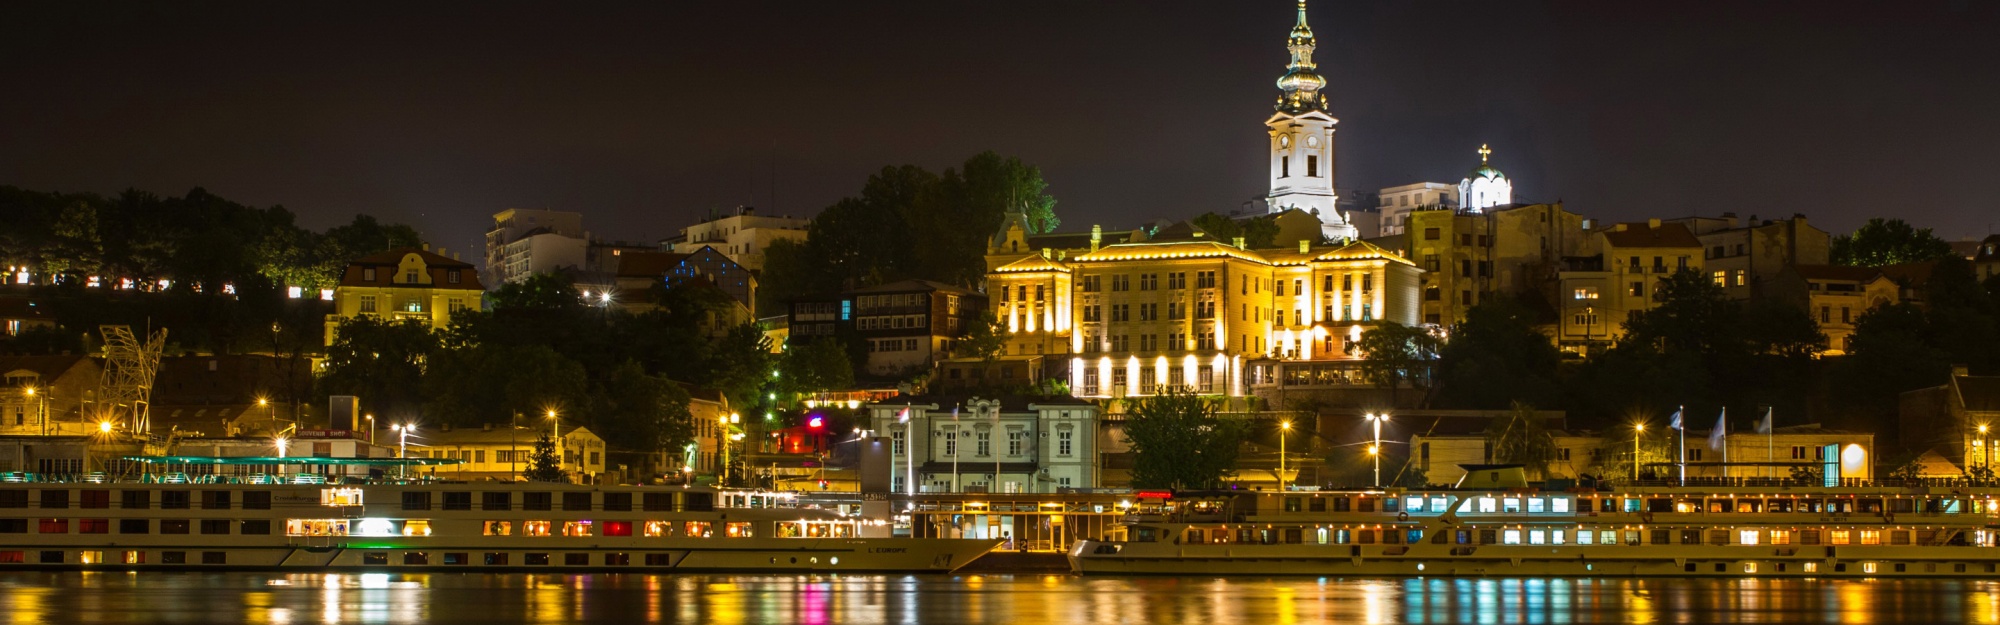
pixel 642 412
pixel 1179 442
pixel 544 464
pixel 382 362
pixel 1496 357
pixel 1883 242
pixel 490 383
pixel 1522 438
pixel 985 339
pixel 1257 232
pixel 816 366
pixel 1396 354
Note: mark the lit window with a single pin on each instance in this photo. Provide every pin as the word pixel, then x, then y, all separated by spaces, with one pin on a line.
pixel 1510 537
pixel 1510 504
pixel 1747 537
pixel 1486 504
pixel 1809 567
pixel 1839 537
pixel 1538 537
pixel 1584 537
pixel 1413 504
pixel 534 528
pixel 499 528
pixel 1868 567
pixel 696 529
pixel 1781 537
pixel 1535 504
pixel 1559 504
pixel 1871 537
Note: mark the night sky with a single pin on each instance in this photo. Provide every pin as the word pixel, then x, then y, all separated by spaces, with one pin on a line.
pixel 645 115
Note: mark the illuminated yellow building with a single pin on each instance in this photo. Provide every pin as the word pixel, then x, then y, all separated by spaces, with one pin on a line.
pixel 405 284
pixel 1618 280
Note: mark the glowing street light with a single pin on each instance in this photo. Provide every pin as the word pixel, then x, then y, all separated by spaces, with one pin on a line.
pixel 1638 430
pixel 403 431
pixel 282 444
pixel 1376 448
pixel 1283 427
pixel 555 434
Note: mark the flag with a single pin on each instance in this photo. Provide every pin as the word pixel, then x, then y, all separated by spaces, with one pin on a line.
pixel 1676 422
pixel 1721 430
pixel 903 416
pixel 1764 426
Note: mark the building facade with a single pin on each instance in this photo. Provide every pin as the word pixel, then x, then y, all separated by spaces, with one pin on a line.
pixel 503 452
pixel 47 395
pixel 1398 202
pixel 524 242
pixel 742 236
pixel 1010 444
pixel 1617 280
pixel 1834 296
pixel 405 284
pixel 1301 141
pixel 1747 259
pixel 906 326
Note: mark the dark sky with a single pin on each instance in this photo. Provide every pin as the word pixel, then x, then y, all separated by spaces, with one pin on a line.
pixel 645 115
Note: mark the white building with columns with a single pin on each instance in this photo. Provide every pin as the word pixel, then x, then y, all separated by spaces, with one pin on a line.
pixel 1009 444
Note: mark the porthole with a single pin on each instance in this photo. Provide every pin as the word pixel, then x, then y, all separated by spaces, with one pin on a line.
pixel 833 560
pixel 795 560
pixel 814 560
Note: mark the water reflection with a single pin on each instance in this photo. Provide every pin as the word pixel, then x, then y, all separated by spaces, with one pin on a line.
pixel 28 597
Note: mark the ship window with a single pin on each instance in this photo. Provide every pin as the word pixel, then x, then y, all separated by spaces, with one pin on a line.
pixel 1610 537
pixel 340 497
pixel 1437 504
pixel 496 501
pixel 458 558
pixel 1538 537
pixel 14 498
pixel 256 527
pixel 738 530
pixel 102 499
pixel 1510 537
pixel 578 528
pixel 576 559
pixel 537 559
pixel 174 500
pixel 496 559
pixel 13 557
pixel 1536 504
pixel 617 528
pixel 215 500
pixel 617 559
pixel 214 557
pixel 458 501
pixel 416 528
pixel 1413 504
pixel 1559 504
pixel 576 501
pixel 134 526
pixel 618 502
pixel 1781 537
pixel 536 501
pixel 1871 537
pixel 535 528
pixel 174 526
pixel 1840 537
pixel 133 499
pixel 658 502
pixel 133 557
pixel 1486 504
pixel 499 528
pixel 1510 504
pixel 696 529
pixel 173 557
pixel 663 559
pixel 55 499
pixel 416 558
pixel 303 527
pixel 655 529
pixel 1585 537
pixel 1321 535
pixel 1747 537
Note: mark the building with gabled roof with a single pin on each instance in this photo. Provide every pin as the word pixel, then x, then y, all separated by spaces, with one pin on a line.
pixel 405 284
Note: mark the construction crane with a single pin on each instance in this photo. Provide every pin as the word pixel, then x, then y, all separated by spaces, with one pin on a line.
pixel 125 392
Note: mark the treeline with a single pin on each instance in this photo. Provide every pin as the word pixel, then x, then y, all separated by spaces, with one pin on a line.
pixel 226 265
pixel 539 348
pixel 1701 350
pixel 908 222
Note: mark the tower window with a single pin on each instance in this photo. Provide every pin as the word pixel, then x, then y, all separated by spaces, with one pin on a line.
pixel 1312 166
pixel 1284 167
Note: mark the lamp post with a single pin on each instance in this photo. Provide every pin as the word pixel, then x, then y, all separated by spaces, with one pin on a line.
pixel 1637 431
pixel 1375 449
pixel 403 431
pixel 1283 427
pixel 371 428
pixel 1985 455
pixel 41 409
pixel 555 434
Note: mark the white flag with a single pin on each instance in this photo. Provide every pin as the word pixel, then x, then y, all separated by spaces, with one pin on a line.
pixel 1721 429
pixel 1676 422
pixel 1764 426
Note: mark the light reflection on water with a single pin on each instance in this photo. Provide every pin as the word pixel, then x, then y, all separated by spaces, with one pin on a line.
pixel 164 597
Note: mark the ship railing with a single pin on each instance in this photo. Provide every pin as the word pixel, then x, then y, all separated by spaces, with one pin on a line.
pixel 1852 482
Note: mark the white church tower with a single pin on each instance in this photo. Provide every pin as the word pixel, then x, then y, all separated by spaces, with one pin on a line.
pixel 1485 187
pixel 1302 159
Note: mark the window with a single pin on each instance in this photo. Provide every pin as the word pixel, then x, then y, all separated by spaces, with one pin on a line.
pixel 367 303
pixel 96 499
pixel 93 526
pixel 576 501
pixel 1064 439
pixel 215 526
pixel 214 557
pixel 54 526
pixel 416 500
pixel 55 499
pixel 1014 442
pixel 984 442
pixel 458 501
pixel 537 501
pixel 1431 234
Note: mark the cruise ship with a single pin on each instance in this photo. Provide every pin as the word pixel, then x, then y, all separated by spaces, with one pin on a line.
pixel 264 522
pixel 1720 527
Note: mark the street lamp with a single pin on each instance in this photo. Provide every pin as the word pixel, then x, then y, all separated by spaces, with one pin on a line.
pixel 1985 456
pixel 281 443
pixel 555 433
pixel 1376 448
pixel 403 431
pixel 1283 427
pixel 1638 430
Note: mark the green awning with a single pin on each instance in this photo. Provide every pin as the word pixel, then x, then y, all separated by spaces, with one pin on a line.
pixel 291 460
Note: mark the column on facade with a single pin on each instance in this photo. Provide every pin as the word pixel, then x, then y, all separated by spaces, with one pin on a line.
pixel 1381 287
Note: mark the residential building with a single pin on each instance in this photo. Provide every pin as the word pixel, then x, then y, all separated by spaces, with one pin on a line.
pixel 1986 258
pixel 1617 279
pixel 1470 256
pixel 906 326
pixel 1442 441
pixel 638 273
pixel 47 395
pixel 1009 444
pixel 503 452
pixel 20 313
pixel 1398 202
pixel 405 284
pixel 524 242
pixel 1746 259
pixel 1835 297
pixel 742 236
pixel 714 423
pixel 1948 418
pixel 1031 296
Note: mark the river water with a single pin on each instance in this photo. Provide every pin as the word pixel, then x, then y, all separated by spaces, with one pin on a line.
pixel 170 597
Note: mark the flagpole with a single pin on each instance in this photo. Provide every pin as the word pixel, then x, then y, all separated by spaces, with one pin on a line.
pixel 1683 432
pixel 955 443
pixel 1770 442
pixel 1722 423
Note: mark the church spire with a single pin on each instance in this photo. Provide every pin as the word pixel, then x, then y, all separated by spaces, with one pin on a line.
pixel 1300 84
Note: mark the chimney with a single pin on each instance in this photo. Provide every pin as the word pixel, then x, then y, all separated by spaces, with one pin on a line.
pixel 1653 223
pixel 485 427
pixel 1239 242
pixel 1619 228
pixel 1959 371
pixel 427 246
pixel 1305 246
pixel 1048 253
pixel 1096 236
pixel 441 252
